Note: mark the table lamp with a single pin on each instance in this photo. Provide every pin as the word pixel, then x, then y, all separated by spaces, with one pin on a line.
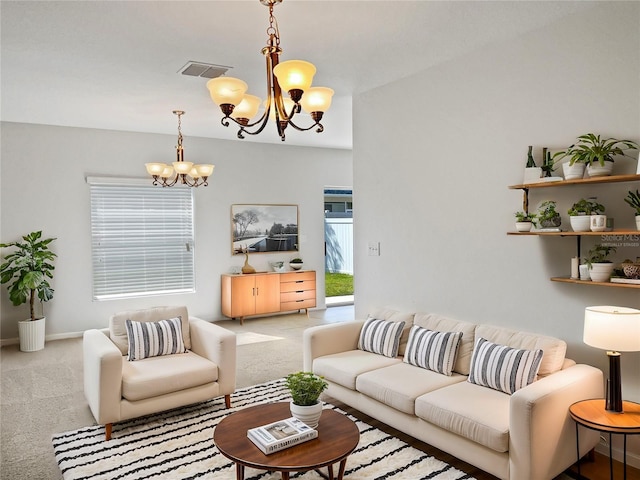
pixel 615 329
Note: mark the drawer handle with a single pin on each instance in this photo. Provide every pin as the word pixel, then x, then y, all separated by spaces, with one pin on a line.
pixel 299 301
pixel 299 291
pixel 299 281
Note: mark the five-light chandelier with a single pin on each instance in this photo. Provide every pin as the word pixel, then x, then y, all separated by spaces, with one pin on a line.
pixel 180 172
pixel 292 76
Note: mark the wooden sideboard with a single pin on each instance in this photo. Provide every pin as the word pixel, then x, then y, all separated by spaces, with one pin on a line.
pixel 268 292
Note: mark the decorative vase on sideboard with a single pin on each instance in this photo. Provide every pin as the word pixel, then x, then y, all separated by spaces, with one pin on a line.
pixel 31 334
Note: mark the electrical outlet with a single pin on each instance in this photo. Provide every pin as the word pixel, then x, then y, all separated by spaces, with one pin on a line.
pixel 374 249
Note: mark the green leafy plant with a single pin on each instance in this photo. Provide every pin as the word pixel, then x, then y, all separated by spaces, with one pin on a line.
pixel 633 199
pixel 305 387
pixel 592 148
pixel 525 217
pixel 27 270
pixel 296 260
pixel 547 215
pixel 586 207
pixel 599 254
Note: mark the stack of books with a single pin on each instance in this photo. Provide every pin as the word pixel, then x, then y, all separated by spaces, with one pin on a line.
pixel 282 434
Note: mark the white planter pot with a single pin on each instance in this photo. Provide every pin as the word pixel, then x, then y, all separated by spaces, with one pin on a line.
pixel 601 272
pixel 532 174
pixel 573 172
pixel 309 415
pixel 523 226
pixel 580 223
pixel 296 266
pixel 637 222
pixel 31 335
pixel 598 223
pixel 596 170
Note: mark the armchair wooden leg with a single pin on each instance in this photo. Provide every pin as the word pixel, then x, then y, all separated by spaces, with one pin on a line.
pixel 227 401
pixel 107 431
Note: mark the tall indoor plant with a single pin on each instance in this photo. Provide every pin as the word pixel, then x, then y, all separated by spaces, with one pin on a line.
pixel 27 270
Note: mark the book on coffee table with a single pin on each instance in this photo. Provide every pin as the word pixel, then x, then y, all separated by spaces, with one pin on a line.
pixel 279 435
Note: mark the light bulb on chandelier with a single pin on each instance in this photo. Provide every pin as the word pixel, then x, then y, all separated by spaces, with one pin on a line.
pixel 293 76
pixel 180 172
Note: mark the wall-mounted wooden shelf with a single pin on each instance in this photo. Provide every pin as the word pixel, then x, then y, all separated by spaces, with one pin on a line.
pixel 578 234
pixel 589 282
pixel 582 181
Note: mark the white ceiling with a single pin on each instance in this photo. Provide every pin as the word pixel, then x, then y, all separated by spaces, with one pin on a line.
pixel 114 64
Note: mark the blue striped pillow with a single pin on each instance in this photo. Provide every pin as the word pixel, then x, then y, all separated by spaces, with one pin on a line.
pixel 432 350
pixel 503 368
pixel 381 337
pixel 153 339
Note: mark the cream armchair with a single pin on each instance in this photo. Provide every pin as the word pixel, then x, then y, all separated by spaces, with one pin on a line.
pixel 118 389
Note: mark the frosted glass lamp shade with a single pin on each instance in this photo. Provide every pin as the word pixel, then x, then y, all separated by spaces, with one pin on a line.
pixel 226 90
pixel 155 168
pixel 182 168
pixel 612 328
pixel 294 74
pixel 247 108
pixel 193 173
pixel 204 170
pixel 167 172
pixel 316 99
pixel 288 106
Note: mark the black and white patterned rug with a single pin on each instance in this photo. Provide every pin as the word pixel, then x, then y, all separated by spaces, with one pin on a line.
pixel 178 445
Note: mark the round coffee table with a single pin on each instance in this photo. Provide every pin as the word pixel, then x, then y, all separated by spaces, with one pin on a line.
pixel 337 438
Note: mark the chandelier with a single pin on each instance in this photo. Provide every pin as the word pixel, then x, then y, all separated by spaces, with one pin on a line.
pixel 292 76
pixel 184 173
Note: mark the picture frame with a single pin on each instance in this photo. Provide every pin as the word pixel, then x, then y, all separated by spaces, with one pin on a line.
pixel 264 228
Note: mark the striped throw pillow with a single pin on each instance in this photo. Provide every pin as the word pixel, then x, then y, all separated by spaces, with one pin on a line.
pixel 432 350
pixel 381 337
pixel 152 339
pixel 503 368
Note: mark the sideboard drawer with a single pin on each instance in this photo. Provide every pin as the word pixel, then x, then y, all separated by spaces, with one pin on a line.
pixel 297 305
pixel 297 286
pixel 297 276
pixel 298 295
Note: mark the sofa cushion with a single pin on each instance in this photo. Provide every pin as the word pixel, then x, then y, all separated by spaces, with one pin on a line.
pixel 156 376
pixel 432 350
pixel 503 368
pixel 440 323
pixel 553 348
pixel 118 330
pixel 477 413
pixel 399 385
pixel 343 368
pixel 152 339
pixel 381 337
pixel 386 313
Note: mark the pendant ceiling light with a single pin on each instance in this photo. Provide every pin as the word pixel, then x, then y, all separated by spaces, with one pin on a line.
pixel 292 76
pixel 181 173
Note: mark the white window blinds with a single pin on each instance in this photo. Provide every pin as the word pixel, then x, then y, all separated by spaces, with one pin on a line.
pixel 142 240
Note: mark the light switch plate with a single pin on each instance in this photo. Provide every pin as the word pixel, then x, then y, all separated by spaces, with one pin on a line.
pixel 374 249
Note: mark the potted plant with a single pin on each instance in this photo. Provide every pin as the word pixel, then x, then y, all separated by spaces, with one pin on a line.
pixel 26 270
pixel 633 199
pixel 548 216
pixel 524 221
pixel 596 153
pixel 580 212
pixel 296 263
pixel 600 267
pixel 305 389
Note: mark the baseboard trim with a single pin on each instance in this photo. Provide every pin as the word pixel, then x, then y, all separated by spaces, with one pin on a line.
pixel 47 338
pixel 633 459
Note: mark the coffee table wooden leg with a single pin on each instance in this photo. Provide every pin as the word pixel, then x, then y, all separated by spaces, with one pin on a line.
pixel 330 472
pixel 343 465
pixel 239 472
pixel 285 475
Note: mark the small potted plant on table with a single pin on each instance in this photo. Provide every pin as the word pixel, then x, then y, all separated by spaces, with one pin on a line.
pixel 305 389
pixel 600 267
pixel 580 212
pixel 296 263
pixel 524 221
pixel 633 199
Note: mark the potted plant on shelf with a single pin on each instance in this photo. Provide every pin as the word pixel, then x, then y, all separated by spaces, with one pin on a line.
pixel 296 263
pixel 548 216
pixel 600 267
pixel 27 270
pixel 305 389
pixel 596 153
pixel 524 221
pixel 580 212
pixel 633 199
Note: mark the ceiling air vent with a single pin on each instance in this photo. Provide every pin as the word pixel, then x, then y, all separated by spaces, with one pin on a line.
pixel 201 69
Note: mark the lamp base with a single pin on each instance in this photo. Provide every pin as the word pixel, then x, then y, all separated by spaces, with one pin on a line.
pixel 614 385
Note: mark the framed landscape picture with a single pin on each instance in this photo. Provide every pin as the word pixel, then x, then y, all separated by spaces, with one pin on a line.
pixel 264 228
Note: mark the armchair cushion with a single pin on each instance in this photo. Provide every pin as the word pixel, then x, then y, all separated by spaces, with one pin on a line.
pixel 157 376
pixel 153 339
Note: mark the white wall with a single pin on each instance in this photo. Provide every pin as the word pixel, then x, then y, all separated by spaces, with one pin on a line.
pixel 43 188
pixel 434 154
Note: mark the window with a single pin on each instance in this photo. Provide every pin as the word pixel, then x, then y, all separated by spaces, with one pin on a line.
pixel 142 240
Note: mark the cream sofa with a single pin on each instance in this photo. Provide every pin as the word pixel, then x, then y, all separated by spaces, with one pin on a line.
pixel 524 436
pixel 117 389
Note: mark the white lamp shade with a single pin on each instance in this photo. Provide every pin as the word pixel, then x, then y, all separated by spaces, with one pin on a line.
pixel 612 328
pixel 294 74
pixel 288 106
pixel 247 108
pixel 316 99
pixel 155 168
pixel 204 170
pixel 226 90
pixel 182 167
pixel 167 172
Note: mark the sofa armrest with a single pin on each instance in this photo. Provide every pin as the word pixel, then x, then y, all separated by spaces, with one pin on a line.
pixel 102 376
pixel 328 339
pixel 218 345
pixel 542 435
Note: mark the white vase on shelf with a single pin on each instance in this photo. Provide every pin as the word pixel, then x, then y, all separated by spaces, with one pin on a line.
pixel 573 172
